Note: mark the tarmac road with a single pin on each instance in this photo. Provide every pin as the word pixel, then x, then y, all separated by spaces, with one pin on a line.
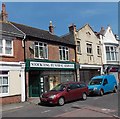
pixel 94 106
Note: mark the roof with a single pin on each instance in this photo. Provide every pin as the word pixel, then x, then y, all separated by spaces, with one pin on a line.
pixel 8 29
pixel 69 36
pixel 41 34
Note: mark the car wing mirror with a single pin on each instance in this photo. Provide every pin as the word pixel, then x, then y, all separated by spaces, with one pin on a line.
pixel 104 84
pixel 68 89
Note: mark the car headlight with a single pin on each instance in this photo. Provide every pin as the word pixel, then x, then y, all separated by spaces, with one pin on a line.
pixel 52 96
pixel 95 89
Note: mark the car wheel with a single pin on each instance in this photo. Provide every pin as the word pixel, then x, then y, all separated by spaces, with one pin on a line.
pixel 84 96
pixel 61 101
pixel 115 89
pixel 101 92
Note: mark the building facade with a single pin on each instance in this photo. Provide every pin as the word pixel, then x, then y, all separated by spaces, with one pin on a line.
pixel 110 56
pixel 49 60
pixel 88 50
pixel 12 67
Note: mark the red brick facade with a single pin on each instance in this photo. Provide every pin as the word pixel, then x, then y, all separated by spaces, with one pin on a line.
pixel 53 51
pixel 18 52
pixel 10 99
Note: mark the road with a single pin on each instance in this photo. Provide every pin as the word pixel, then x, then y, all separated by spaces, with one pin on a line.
pixel 107 104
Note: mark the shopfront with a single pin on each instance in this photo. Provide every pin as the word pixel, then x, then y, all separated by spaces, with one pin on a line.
pixel 44 75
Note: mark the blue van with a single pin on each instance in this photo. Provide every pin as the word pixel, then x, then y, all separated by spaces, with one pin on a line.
pixel 102 84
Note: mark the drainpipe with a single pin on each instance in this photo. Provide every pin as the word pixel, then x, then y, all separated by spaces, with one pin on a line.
pixel 76 63
pixel 23 81
pixel 25 87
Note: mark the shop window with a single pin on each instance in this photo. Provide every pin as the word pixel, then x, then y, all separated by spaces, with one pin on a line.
pixel 41 50
pixel 4 83
pixel 63 53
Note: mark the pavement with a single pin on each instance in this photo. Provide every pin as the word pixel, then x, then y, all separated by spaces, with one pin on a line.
pixel 8 107
pixel 85 111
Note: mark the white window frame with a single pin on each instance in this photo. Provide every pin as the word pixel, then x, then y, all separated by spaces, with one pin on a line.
pixel 5 75
pixel 89 53
pixel 61 49
pixel 115 53
pixel 4 47
pixel 43 46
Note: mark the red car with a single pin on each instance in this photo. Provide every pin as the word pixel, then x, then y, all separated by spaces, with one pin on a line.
pixel 65 92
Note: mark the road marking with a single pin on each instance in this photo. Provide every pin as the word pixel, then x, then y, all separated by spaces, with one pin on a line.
pixel 108 110
pixel 105 109
pixel 96 98
pixel 45 111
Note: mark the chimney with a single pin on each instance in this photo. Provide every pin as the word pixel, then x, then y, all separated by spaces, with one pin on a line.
pixel 102 29
pixel 4 14
pixel 72 28
pixel 51 28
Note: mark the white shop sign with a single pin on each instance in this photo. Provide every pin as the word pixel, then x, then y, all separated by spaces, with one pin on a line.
pixel 50 65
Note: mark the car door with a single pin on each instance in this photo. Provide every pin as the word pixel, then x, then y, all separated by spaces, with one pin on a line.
pixel 73 91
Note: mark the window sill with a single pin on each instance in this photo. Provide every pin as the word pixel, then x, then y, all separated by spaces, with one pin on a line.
pixel 89 54
pixel 79 53
pixel 6 56
pixel 64 60
pixel 99 55
pixel 4 95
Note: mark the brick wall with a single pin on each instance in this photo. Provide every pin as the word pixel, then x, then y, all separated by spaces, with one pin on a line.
pixel 18 52
pixel 53 51
pixel 10 99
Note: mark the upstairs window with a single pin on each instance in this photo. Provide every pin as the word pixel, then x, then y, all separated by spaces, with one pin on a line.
pixel 6 47
pixel 111 53
pixel 89 48
pixel 98 50
pixel 78 47
pixel 41 50
pixel 63 53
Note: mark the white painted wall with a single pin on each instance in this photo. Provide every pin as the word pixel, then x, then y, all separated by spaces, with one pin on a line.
pixel 16 78
pixel 109 39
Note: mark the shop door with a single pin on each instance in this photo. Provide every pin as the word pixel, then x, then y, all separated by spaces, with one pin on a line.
pixel 34 90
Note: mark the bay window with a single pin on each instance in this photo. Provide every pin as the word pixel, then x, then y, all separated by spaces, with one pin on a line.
pixel 111 53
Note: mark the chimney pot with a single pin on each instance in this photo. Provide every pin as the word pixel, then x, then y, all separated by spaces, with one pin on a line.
pixel 102 28
pixel 51 28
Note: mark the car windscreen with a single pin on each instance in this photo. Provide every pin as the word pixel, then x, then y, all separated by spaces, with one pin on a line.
pixel 95 82
pixel 59 87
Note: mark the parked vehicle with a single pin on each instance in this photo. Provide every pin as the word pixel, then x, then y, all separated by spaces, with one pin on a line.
pixel 102 84
pixel 65 92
